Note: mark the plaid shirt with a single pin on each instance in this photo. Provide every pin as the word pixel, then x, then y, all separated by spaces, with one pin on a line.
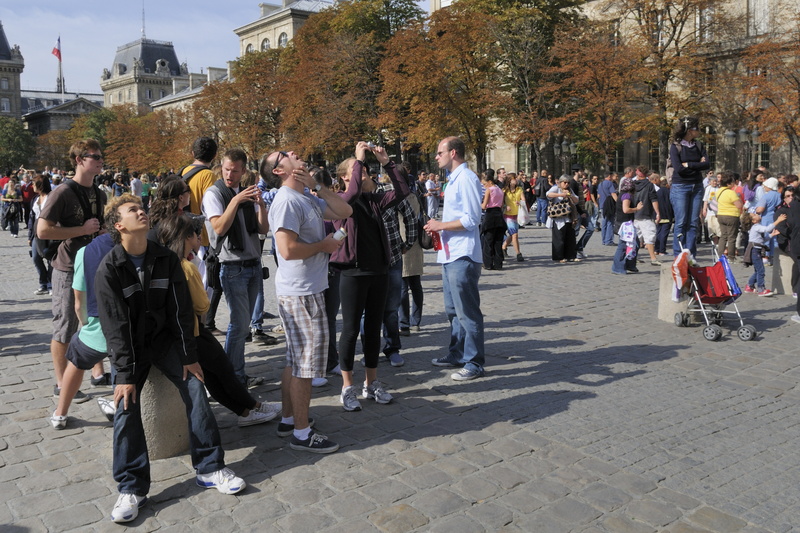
pixel 390 220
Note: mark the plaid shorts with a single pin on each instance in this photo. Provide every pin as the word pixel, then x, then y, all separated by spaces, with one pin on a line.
pixel 305 323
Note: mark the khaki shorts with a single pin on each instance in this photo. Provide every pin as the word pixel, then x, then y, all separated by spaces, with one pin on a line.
pixel 305 323
pixel 646 229
pixel 713 225
pixel 65 321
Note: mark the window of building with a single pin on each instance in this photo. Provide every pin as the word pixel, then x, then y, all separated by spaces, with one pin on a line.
pixel 283 40
pixel 5 105
pixel 162 93
pixel 758 16
pixel 4 83
pixel 149 94
pixel 762 155
pixel 110 98
pixel 120 97
pixel 709 141
pixel 249 49
pixel 524 158
pixel 265 45
pixel 618 164
pixel 130 94
pixel 705 19
pixel 653 159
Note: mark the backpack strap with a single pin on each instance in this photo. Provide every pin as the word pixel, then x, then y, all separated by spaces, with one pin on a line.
pixel 88 212
pixel 189 175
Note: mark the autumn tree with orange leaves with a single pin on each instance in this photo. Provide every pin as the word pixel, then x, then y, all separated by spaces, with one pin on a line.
pixel 441 79
pixel 773 76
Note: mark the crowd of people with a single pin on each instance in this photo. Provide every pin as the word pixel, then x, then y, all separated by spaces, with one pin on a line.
pixel 136 268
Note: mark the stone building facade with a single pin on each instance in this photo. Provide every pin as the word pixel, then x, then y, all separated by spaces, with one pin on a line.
pixel 11 66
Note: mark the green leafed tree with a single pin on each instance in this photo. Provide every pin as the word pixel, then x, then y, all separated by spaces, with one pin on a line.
pixel 16 144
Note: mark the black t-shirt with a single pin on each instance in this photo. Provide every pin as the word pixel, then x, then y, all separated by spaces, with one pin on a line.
pixel 370 254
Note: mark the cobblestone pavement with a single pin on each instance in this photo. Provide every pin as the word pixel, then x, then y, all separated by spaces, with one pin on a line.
pixel 593 416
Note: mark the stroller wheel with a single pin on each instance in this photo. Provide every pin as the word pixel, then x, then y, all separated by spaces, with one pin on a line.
pixel 680 319
pixel 746 332
pixel 712 332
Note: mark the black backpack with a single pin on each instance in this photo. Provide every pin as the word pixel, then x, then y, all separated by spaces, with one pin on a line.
pixel 189 175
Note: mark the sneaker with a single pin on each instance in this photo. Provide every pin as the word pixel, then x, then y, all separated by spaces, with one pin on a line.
pixel 376 392
pixel 795 318
pixel 748 288
pixel 581 255
pixel 465 374
pixel 223 480
pixel 505 252
pixel 127 507
pixel 107 408
pixel 349 400
pixel 284 430
pixel 444 362
pixel 278 329
pixel 415 328
pixel 41 292
pixel 765 292
pixel 255 417
pixel 794 295
pixel 336 370
pixel 102 381
pixel 260 336
pixel 78 398
pixel 405 332
pixel 254 381
pixel 272 410
pixel 319 382
pixel 395 359
pixel 520 259
pixel 632 270
pixel 58 422
pixel 315 443
pixel 655 263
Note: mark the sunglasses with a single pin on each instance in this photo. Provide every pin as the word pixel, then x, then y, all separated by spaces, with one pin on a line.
pixel 96 157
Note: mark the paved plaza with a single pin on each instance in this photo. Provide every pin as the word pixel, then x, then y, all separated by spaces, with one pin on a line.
pixel 593 416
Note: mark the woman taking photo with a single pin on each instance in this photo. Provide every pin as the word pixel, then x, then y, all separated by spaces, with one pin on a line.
pixel 363 260
pixel 689 159
pixel 564 247
pixel 512 197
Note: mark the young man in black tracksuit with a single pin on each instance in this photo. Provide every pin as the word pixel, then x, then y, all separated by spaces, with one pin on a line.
pixel 146 313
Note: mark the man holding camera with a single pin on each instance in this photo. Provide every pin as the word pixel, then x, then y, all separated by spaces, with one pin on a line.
pixel 234 218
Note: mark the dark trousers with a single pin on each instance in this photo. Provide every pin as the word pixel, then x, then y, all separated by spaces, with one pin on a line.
pixel 492 246
pixel 45 272
pixel 414 284
pixel 332 301
pixel 361 296
pixel 221 380
pixel 564 244
pixel 662 234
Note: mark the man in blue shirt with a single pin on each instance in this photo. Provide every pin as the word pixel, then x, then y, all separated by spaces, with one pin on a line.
pixel 461 261
pixel 607 188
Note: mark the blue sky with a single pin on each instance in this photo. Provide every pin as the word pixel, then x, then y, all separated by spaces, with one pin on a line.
pixel 91 31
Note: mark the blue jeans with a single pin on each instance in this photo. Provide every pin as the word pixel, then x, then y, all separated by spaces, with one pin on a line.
pixel 414 318
pixel 391 327
pixel 686 200
pixel 257 318
pixel 541 210
pixel 462 304
pixel 620 264
pixel 607 230
pixel 240 286
pixel 756 280
pixel 590 225
pixel 131 464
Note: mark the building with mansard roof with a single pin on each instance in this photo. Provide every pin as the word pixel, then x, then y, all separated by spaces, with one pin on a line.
pixel 277 24
pixel 11 66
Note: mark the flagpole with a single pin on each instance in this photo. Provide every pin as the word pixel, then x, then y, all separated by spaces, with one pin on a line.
pixel 61 72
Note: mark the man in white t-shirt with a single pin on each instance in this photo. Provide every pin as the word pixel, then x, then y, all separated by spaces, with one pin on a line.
pixel 297 221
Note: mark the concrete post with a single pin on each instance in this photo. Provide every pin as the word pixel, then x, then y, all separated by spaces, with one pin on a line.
pixel 666 307
pixel 164 417
pixel 782 265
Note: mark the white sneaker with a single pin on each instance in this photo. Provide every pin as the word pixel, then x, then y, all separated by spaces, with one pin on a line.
pixel 336 370
pixel 795 318
pixel 58 422
pixel 223 480
pixel 270 409
pixel 349 400
pixel 127 507
pixel 255 417
pixel 107 408
pixel 319 382
pixel 376 391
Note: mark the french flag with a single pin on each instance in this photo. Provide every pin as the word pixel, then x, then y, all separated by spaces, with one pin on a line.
pixel 57 48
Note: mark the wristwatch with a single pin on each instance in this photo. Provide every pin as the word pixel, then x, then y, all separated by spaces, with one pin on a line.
pixel 317 187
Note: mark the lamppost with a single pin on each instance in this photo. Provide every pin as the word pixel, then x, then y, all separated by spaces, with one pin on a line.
pixel 564 153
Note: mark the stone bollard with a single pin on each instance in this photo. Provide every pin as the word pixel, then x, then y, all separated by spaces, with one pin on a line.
pixel 164 417
pixel 782 265
pixel 666 307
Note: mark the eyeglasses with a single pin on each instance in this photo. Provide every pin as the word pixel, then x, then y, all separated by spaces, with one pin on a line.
pixel 96 157
pixel 278 159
